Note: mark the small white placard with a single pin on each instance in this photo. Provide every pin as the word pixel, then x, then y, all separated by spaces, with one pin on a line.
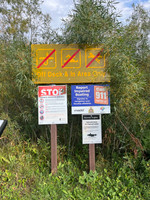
pixel 91 129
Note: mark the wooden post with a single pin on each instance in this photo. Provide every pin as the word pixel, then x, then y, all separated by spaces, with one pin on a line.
pixel 53 148
pixel 92 157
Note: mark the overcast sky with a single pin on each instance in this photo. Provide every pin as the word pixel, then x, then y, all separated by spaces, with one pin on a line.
pixel 59 9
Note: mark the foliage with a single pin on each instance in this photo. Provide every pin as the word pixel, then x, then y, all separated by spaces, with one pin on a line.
pixel 95 22
pixel 24 18
pixel 18 93
pixel 127 128
pixel 128 65
pixel 90 23
pixel 20 162
pixel 24 170
pixel 123 166
pixel 23 23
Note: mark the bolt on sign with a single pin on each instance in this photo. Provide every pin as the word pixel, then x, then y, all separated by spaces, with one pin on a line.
pixel 60 63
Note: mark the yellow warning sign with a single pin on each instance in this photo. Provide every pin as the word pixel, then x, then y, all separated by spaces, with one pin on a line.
pixel 60 63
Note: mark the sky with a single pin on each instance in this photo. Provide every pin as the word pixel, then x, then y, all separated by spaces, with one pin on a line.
pixel 59 9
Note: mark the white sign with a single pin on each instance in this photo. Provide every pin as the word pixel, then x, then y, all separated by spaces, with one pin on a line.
pixel 91 129
pixel 52 105
pixel 3 124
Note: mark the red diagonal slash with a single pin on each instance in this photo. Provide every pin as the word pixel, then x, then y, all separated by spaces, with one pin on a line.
pixel 46 59
pixel 94 58
pixel 70 58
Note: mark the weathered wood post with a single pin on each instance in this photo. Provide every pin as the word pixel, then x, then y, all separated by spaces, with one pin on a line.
pixel 92 157
pixel 53 148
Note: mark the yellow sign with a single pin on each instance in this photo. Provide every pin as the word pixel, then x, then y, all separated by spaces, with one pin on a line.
pixel 60 63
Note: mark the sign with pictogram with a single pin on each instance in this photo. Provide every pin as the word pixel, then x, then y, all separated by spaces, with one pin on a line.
pixel 71 58
pixel 46 61
pixel 94 59
pixel 60 63
pixel 90 99
pixel 52 104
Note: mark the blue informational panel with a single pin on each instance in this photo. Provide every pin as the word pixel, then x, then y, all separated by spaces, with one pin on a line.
pixel 90 99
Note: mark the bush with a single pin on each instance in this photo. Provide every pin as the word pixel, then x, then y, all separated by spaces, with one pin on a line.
pixel 25 173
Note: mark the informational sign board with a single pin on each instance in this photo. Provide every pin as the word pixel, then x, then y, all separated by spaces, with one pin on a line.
pixel 60 63
pixel 3 124
pixel 52 105
pixel 90 99
pixel 91 129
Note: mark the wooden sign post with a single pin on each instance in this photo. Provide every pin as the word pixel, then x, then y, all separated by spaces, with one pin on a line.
pixel 52 109
pixel 91 134
pixel 92 157
pixel 53 148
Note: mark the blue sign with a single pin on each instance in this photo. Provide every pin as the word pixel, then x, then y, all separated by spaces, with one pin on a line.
pixel 90 99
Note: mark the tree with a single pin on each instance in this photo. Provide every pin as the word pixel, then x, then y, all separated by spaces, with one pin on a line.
pixel 22 23
pixel 24 18
pixel 95 22
pixel 91 22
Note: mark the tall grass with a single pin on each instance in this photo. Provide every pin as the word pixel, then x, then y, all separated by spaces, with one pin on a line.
pixel 25 173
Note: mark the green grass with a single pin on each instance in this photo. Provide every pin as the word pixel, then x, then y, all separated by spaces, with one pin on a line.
pixel 25 173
